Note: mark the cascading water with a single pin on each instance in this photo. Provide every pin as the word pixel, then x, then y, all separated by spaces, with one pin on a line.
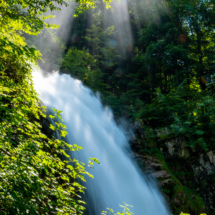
pixel 90 125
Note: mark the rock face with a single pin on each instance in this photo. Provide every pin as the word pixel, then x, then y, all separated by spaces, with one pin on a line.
pixel 203 167
pixel 185 175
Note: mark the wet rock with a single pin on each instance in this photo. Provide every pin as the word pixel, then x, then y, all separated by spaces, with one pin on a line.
pixel 161 174
pixel 165 182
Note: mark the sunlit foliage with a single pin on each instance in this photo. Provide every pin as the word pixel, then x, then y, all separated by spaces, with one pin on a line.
pixel 37 175
pixel 126 211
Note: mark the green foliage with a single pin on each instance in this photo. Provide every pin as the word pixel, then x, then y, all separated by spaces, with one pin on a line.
pixel 99 41
pixel 26 16
pixel 125 211
pixel 77 63
pixel 29 17
pixel 94 65
pixel 186 114
pixel 80 64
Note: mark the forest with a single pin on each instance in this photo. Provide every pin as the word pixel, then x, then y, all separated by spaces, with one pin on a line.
pixel 151 61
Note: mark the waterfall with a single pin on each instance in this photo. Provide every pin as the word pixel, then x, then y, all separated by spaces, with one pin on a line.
pixel 117 179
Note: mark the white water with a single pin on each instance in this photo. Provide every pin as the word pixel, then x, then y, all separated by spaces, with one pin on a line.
pixel 117 179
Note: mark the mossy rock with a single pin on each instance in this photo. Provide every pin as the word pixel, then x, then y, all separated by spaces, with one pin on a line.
pixel 179 196
pixel 184 199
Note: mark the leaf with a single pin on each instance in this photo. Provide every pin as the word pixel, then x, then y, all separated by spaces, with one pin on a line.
pixel 51 116
pixel 52 127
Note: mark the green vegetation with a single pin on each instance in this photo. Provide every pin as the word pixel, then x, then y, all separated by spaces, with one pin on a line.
pixel 125 211
pixel 161 82
pixel 186 114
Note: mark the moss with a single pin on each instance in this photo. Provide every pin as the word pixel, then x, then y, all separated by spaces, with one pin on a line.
pixel 150 137
pixel 161 158
pixel 164 134
pixel 189 201
pixel 181 198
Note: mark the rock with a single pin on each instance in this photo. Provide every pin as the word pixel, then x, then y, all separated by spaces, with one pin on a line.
pixel 180 199
pixel 204 161
pixel 211 157
pixel 170 146
pixel 161 174
pixel 165 182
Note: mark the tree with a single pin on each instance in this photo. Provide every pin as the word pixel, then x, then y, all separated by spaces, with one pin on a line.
pixel 29 17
